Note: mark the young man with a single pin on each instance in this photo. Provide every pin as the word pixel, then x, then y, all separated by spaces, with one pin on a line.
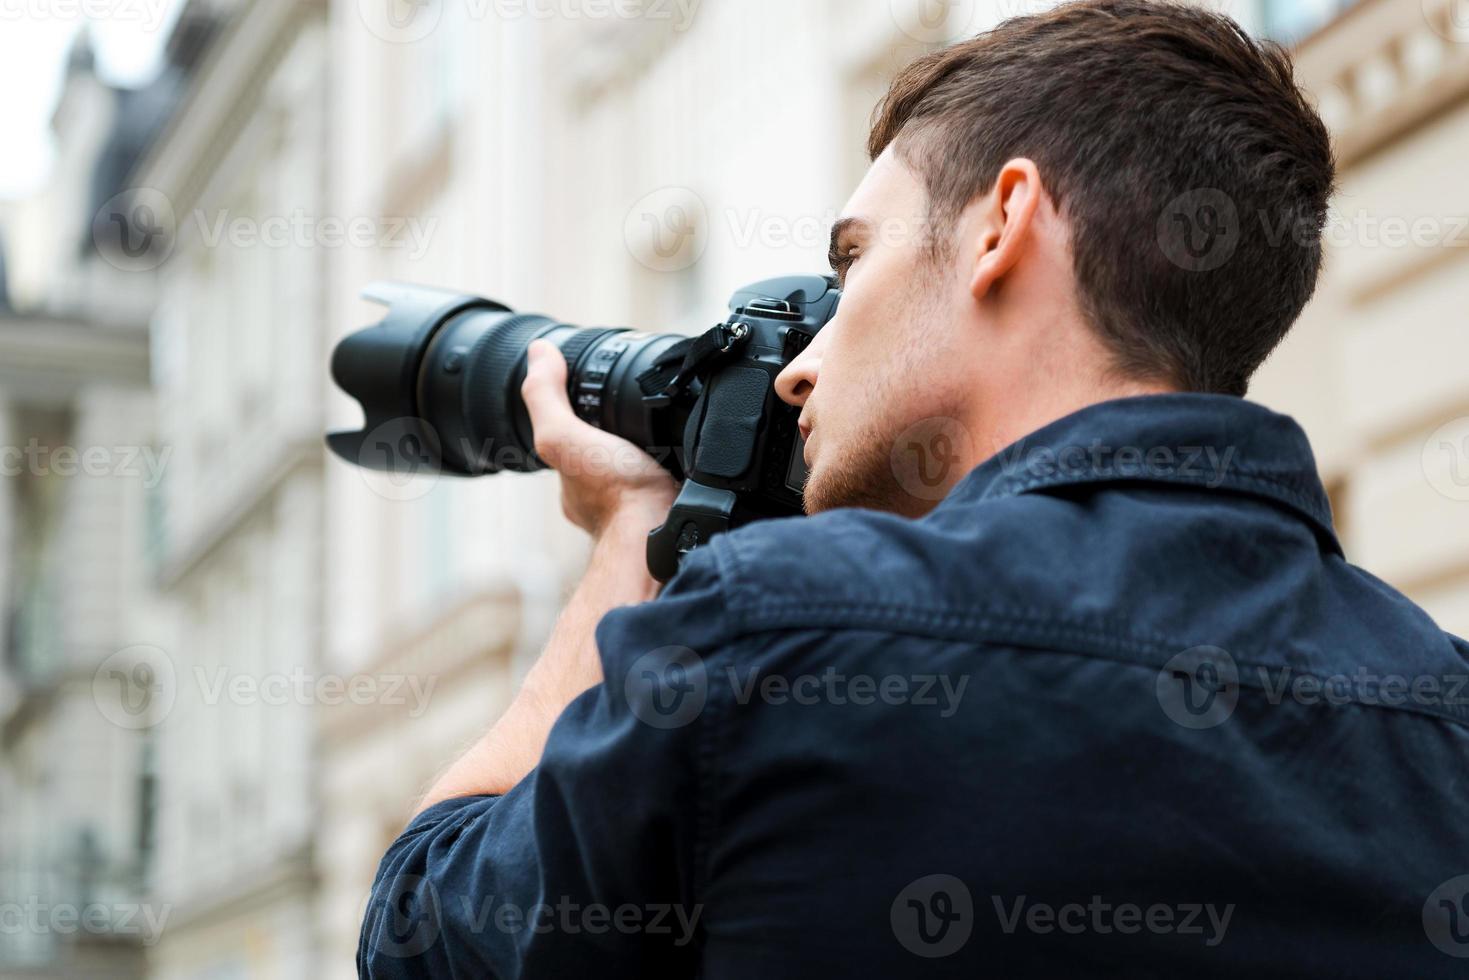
pixel 1066 674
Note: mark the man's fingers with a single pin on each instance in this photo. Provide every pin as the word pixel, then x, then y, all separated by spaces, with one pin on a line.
pixel 544 393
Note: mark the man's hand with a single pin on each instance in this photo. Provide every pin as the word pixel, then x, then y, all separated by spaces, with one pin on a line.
pixel 618 493
pixel 604 478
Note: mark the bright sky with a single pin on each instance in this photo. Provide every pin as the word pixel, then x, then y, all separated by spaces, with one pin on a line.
pixel 35 36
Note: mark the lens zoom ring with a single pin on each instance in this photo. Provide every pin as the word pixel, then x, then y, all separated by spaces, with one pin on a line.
pixel 576 345
pixel 489 394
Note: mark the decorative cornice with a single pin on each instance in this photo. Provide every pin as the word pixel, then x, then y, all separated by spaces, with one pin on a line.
pixel 1384 70
pixel 224 95
pixel 591 62
pixel 479 632
pixel 290 872
pixel 53 357
pixel 240 499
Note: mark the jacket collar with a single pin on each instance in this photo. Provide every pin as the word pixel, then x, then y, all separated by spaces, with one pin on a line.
pixel 1210 442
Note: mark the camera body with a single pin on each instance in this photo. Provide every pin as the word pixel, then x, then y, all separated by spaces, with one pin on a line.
pixel 439 383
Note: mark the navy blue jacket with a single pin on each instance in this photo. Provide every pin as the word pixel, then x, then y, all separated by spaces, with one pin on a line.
pixel 1118 706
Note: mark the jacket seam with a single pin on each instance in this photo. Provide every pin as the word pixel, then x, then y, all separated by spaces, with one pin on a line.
pixel 1035 629
pixel 1297 495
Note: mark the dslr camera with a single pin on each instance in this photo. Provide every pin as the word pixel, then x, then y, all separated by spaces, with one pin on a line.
pixel 439 381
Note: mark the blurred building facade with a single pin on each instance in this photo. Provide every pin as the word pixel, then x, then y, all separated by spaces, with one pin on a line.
pixel 1378 367
pixel 82 462
pixel 238 366
pixel 319 145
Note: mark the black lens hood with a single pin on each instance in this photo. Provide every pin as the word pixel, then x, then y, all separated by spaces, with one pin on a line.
pixel 379 367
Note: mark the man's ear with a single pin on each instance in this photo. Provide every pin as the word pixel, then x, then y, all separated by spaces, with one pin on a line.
pixel 1004 224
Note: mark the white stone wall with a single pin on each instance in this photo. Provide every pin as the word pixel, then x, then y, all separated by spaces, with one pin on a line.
pixel 1378 367
pixel 239 347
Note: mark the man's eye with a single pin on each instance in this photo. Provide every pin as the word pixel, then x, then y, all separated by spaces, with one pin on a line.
pixel 842 262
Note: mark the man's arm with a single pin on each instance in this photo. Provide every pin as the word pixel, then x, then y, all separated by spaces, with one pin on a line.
pixel 618 494
pixel 613 819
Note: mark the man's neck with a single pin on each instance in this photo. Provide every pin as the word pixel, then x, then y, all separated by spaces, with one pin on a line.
pixel 1022 417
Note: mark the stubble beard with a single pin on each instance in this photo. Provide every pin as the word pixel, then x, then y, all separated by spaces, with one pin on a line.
pixel 862 474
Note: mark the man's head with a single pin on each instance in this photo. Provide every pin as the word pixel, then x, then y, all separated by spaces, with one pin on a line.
pixel 1117 197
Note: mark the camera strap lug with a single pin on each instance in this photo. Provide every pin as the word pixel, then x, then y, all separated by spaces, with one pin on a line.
pixel 677 367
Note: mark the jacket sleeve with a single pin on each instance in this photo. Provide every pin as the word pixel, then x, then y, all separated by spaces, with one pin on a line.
pixel 588 866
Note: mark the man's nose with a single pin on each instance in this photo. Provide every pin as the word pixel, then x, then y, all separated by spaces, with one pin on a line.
pixel 795 383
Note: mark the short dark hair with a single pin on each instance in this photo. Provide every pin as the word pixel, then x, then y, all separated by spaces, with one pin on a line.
pixel 1157 128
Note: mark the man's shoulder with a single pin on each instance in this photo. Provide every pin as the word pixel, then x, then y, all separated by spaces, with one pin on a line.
pixel 853 567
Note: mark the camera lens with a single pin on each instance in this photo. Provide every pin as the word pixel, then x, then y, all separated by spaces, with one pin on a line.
pixel 468 388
